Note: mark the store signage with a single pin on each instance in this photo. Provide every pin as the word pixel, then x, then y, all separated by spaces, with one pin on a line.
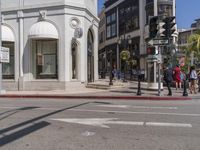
pixel 4 55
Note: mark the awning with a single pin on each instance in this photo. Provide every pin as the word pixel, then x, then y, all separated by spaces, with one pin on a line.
pixel 7 34
pixel 43 30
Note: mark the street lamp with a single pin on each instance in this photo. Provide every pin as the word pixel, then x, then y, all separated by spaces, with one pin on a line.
pixel 111 69
pixel 125 54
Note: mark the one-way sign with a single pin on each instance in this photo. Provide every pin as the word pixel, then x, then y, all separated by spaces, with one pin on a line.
pixel 159 42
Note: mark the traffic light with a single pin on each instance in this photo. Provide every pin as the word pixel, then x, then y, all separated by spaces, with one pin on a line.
pixel 152 50
pixel 153 27
pixel 168 26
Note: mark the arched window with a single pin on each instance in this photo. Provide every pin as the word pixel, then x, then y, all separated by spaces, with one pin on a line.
pixel 74 60
pixel 8 68
pixel 90 56
pixel 8 41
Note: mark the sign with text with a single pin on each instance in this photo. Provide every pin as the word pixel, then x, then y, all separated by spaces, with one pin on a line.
pixel 159 42
pixel 4 55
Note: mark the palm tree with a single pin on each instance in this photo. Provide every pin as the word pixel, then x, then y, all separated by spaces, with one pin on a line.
pixel 194 44
pixel 192 47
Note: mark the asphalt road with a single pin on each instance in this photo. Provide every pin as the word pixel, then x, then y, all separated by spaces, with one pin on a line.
pixel 58 124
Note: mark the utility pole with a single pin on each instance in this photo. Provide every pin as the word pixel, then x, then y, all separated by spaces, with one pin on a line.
pixel 0 50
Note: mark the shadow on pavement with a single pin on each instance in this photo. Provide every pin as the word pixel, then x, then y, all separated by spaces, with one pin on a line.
pixel 116 91
pixel 21 133
pixel 14 111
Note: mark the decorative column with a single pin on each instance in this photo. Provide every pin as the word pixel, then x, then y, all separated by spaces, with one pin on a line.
pixel 21 49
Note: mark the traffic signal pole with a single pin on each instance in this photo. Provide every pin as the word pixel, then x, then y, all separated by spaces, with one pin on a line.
pixel 161 29
pixel 0 50
pixel 159 73
pixel 159 61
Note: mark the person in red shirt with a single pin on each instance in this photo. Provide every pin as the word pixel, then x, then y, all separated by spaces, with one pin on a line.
pixel 177 77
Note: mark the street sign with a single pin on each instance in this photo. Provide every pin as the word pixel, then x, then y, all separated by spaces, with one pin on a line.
pixel 158 42
pixel 4 55
pixel 159 58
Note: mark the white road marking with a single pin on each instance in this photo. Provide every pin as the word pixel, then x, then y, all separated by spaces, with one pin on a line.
pixel 87 133
pixel 9 107
pixel 114 106
pixel 98 122
pixel 103 122
pixel 144 107
pixel 132 112
pixel 161 124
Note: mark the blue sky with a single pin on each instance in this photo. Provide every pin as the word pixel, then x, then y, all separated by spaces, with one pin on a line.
pixel 186 11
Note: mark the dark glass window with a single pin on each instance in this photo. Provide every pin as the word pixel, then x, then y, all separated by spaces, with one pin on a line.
pixel 128 16
pixel 74 61
pixel 149 1
pixel 111 27
pixel 8 68
pixel 46 59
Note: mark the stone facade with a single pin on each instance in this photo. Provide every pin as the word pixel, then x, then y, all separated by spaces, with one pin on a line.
pixel 70 58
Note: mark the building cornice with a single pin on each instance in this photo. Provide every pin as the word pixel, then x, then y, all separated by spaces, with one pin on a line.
pixel 52 5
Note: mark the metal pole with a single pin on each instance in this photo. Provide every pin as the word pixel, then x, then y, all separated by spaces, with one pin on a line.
pixel 159 63
pixel 159 74
pixel 0 50
pixel 111 69
pixel 159 80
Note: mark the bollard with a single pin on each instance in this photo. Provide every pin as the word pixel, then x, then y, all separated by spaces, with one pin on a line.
pixel 199 84
pixel 139 87
pixel 185 93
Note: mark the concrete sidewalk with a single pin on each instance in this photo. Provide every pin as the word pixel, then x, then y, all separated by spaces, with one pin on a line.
pixel 119 90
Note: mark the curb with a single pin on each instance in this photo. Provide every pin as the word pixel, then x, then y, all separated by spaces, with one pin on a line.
pixel 96 97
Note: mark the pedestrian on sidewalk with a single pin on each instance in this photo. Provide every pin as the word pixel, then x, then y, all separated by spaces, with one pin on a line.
pixel 168 79
pixel 177 76
pixel 182 76
pixel 193 79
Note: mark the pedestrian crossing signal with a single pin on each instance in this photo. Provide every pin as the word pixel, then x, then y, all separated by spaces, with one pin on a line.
pixel 152 50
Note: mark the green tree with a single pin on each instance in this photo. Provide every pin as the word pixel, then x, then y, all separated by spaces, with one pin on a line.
pixel 194 44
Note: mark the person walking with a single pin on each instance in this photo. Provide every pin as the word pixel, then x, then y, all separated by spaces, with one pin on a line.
pixel 168 79
pixel 177 76
pixel 193 78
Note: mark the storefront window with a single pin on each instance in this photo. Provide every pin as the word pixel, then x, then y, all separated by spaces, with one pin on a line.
pixel 8 68
pixel 46 59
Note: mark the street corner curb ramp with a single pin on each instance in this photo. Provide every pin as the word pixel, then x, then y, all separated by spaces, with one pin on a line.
pixel 95 97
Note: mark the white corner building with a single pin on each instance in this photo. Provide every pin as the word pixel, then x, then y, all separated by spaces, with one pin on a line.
pixel 53 43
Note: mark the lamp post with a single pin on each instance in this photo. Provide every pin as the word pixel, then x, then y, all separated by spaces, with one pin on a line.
pixel 136 61
pixel 139 78
pixel 125 54
pixel 111 69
